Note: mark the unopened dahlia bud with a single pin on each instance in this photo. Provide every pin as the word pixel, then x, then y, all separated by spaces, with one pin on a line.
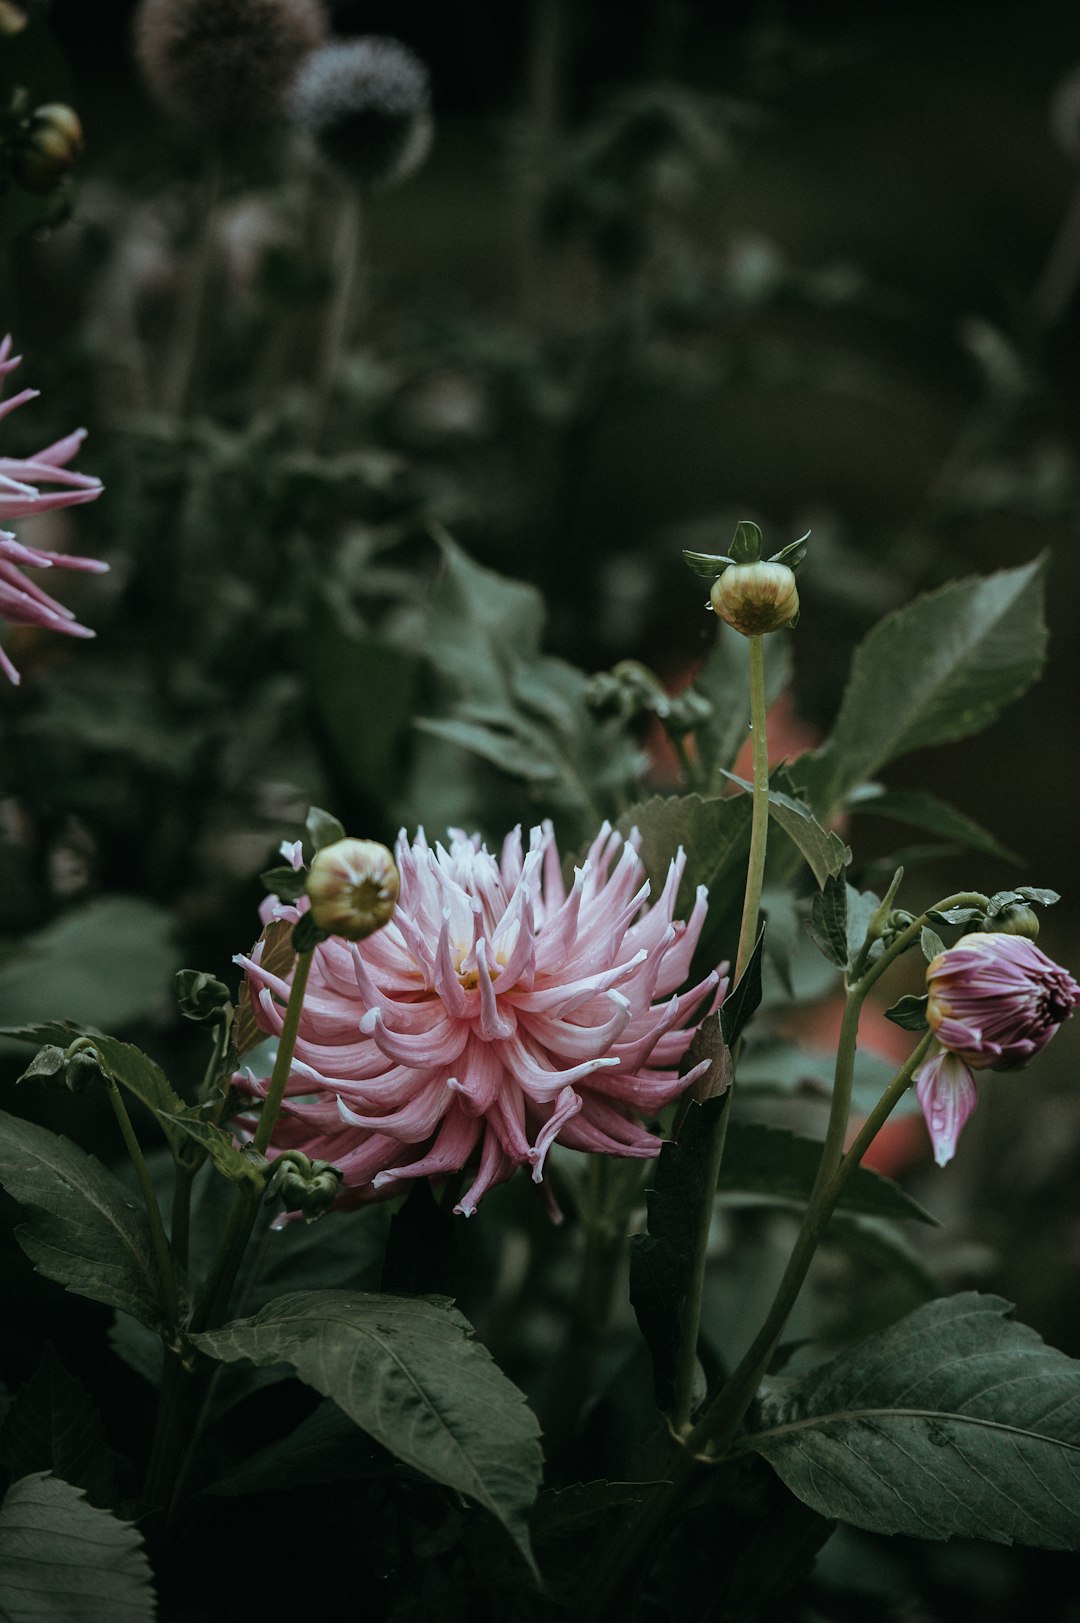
pixel 1016 918
pixel 308 1187
pixel 367 104
pixel 353 887
pixel 995 999
pixel 47 147
pixel 222 66
pixel 756 598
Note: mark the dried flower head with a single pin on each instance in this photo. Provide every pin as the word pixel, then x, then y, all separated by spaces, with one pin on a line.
pixel 223 65
pixel 367 104
pixel 22 601
pixel 353 888
pixel 496 1013
pixel 756 598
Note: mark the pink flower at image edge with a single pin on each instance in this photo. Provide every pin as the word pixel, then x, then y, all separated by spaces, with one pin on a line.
pixel 22 601
pixel 994 1001
pixel 497 1013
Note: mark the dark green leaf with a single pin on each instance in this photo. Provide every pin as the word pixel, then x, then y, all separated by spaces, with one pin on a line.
pixel 1029 893
pixel 285 882
pixel 724 679
pixel 410 1372
pixel 62 1559
pixel 53 1426
pixel 741 1003
pixel 228 1156
pixel 122 1063
pixel 954 915
pixel 931 944
pixel 934 816
pixel 661 1261
pixel 323 828
pixel 948 662
pixel 364 691
pixel 955 1422
pixel 82 1227
pixel 881 1244
pixel 909 1012
pixel 772 1161
pixel 326 1447
pixel 784 1068
pixel 827 923
pixel 708 1043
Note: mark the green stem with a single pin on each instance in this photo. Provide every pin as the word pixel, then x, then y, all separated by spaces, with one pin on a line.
pixel 159 1239
pixel 181 1207
pixel 759 828
pixel 686 1358
pixel 191 313
pixel 348 261
pixel 720 1422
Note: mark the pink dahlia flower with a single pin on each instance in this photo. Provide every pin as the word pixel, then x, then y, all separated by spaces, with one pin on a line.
pixel 995 999
pixel 497 1013
pixel 22 601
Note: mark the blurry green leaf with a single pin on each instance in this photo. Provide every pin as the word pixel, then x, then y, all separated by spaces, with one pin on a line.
pixel 501 747
pixel 60 1558
pixel 410 1372
pixel 724 679
pixel 365 691
pixel 955 1422
pixel 106 963
pixel 881 1244
pixel 934 816
pixel 82 1228
pixel 53 1426
pixel 323 828
pixel 478 624
pixel 773 1161
pixel 948 662
pixel 786 1068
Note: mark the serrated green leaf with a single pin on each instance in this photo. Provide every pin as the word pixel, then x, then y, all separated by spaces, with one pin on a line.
pixel 949 662
pixel 661 1261
pixel 825 852
pixel 773 1161
pixel 226 1154
pixel 82 1228
pixel 926 811
pixel 955 1422
pixel 60 1558
pixel 410 1372
pixel 827 924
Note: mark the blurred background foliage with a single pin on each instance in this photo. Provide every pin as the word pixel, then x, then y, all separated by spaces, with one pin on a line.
pixel 667 266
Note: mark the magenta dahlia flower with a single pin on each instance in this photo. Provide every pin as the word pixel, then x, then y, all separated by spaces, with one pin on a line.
pixel 22 601
pixel 497 1013
pixel 994 1001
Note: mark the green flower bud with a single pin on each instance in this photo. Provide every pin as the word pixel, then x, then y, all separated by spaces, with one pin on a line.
pixel 1016 918
pixel 47 147
pixel 201 996
pixel 756 598
pixel 310 1187
pixel 353 886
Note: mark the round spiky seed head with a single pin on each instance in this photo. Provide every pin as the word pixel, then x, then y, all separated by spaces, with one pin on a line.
pixel 353 886
pixel 756 598
pixel 222 66
pixel 367 104
pixel 45 150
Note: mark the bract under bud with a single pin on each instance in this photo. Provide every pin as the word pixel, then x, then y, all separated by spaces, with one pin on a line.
pixel 756 598
pixel 353 886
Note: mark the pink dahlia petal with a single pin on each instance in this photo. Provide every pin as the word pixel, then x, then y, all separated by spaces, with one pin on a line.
pixel 496 1015
pixel 21 601
pixel 947 1093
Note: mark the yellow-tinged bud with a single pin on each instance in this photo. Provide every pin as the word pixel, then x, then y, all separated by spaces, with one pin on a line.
pixel 353 886
pixel 48 146
pixel 756 598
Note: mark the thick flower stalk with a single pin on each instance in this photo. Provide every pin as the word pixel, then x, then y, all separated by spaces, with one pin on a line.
pixel 22 601
pixel 994 1000
pixel 497 1013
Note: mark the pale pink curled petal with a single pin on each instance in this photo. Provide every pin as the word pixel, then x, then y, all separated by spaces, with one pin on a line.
pixel 947 1093
pixel 996 999
pixel 21 601
pixel 498 1014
